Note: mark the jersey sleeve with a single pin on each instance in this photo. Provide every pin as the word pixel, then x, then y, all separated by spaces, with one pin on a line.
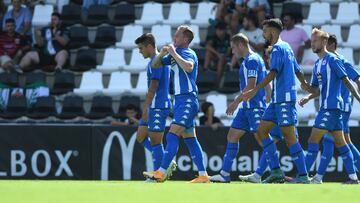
pixel 187 56
pixel 314 79
pixel 156 73
pixel 352 73
pixel 166 60
pixel 252 68
pixel 276 59
pixel 337 66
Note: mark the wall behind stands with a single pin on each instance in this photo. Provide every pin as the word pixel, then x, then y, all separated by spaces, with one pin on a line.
pixel 98 152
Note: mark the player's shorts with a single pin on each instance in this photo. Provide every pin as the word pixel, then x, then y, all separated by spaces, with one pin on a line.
pixel 345 119
pixel 185 110
pixel 330 120
pixel 277 134
pixel 248 119
pixel 157 119
pixel 282 114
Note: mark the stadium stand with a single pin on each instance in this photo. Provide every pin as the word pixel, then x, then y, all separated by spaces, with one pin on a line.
pixel 106 34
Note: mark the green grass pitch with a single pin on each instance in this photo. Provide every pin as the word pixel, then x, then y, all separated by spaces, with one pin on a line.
pixel 172 191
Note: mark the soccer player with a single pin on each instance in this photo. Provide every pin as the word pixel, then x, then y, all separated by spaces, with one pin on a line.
pixel 281 110
pixel 157 104
pixel 184 63
pixel 333 107
pixel 252 71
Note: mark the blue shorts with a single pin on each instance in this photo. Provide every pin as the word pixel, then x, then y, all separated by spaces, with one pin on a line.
pixel 282 114
pixel 185 110
pixel 157 119
pixel 248 119
pixel 345 119
pixel 330 120
pixel 277 134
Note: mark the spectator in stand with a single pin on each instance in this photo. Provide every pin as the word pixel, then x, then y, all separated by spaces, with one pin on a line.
pixel 218 49
pixel 253 32
pixel 51 41
pixel 132 117
pixel 243 7
pixel 12 46
pixel 208 119
pixel 295 36
pixel 87 3
pixel 2 12
pixel 22 17
pixel 224 13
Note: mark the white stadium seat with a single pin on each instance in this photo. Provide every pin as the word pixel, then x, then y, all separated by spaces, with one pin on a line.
pixel 306 112
pixel 179 14
pixel 334 29
pixel 311 122
pixel 141 86
pixel 42 15
pixel 353 39
pixel 137 62
pixel 114 60
pixel 308 61
pixel 319 13
pixel 348 13
pixel 130 33
pixel 196 40
pixel 353 123
pixel 347 53
pixel 355 114
pixel 162 34
pixel 91 83
pixel 147 17
pixel 220 103
pixel 120 82
pixel 205 11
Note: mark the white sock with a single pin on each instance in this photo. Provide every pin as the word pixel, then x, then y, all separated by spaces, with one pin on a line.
pixel 257 175
pixel 162 170
pixel 353 176
pixel 318 176
pixel 202 173
pixel 224 173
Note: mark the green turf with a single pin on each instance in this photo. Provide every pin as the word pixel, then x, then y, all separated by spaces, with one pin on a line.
pixel 172 192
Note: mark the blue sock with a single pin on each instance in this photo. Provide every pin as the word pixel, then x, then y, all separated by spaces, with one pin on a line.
pixel 328 151
pixel 158 153
pixel 347 158
pixel 311 155
pixel 196 152
pixel 297 155
pixel 263 164
pixel 171 149
pixel 146 144
pixel 232 150
pixel 356 155
pixel 270 152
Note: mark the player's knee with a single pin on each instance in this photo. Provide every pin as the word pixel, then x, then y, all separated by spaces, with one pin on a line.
pixel 156 138
pixel 347 138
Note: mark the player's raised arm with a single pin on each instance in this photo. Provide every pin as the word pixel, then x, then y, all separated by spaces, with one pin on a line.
pixel 157 63
pixel 186 65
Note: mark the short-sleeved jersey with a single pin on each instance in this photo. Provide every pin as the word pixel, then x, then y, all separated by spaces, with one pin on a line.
pixel 284 63
pixel 184 82
pixel 327 75
pixel 353 74
pixel 253 66
pixel 162 96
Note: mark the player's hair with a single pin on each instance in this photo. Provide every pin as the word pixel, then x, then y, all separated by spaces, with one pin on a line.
pixel 9 20
pixel 205 106
pixel 333 39
pixel 320 33
pixel 146 39
pixel 56 14
pixel 274 23
pixel 187 32
pixel 240 38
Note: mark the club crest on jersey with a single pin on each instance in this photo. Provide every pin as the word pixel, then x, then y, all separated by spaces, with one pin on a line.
pixel 324 62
